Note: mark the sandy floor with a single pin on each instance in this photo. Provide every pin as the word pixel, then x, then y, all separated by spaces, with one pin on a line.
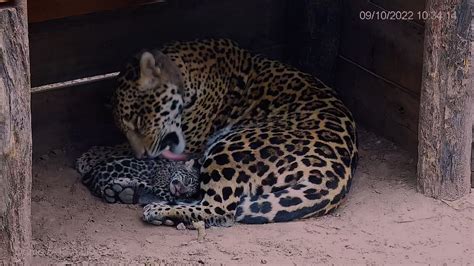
pixel 383 221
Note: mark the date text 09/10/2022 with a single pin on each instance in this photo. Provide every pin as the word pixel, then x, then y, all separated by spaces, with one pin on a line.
pixel 405 15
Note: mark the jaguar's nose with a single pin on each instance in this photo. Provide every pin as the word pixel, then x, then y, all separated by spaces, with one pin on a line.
pixel 176 188
pixel 170 140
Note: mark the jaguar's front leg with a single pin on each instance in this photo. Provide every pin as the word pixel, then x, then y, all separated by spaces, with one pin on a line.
pixel 163 214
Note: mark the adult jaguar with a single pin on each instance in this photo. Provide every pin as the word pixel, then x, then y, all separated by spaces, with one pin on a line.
pixel 287 148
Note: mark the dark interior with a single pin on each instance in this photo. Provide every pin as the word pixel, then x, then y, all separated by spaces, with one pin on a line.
pixel 375 66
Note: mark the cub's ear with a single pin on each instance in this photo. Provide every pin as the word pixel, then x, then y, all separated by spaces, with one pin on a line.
pixel 149 72
pixel 189 164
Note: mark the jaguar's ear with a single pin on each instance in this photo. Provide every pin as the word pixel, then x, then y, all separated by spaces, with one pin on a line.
pixel 149 72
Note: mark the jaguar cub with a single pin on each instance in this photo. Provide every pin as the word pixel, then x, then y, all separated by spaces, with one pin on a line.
pixel 113 174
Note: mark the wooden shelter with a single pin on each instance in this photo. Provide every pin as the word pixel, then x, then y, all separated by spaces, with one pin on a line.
pixel 403 67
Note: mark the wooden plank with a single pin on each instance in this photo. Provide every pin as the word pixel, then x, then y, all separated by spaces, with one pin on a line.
pixel 416 7
pixel 15 137
pixel 445 131
pixel 392 49
pixel 99 43
pixel 379 105
pixel 313 37
pixel 42 10
pixel 75 115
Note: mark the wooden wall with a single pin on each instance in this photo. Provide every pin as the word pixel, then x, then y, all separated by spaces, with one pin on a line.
pixel 379 68
pixel 97 38
pixel 375 64
pixel 314 28
pixel 98 43
pixel 92 44
pixel 77 116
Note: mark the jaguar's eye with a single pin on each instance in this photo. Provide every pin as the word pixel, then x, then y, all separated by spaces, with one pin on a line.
pixel 140 127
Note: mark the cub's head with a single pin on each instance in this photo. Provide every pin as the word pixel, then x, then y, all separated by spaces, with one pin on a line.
pixel 184 181
pixel 148 103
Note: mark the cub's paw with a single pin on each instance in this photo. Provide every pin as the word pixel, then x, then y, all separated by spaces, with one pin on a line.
pixel 117 193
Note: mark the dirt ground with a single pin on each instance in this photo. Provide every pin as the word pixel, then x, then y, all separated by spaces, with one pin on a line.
pixel 384 221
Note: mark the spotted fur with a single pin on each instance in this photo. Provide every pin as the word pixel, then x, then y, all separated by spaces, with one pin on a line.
pixel 287 144
pixel 113 174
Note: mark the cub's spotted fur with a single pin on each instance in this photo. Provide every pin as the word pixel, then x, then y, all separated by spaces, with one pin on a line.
pixel 113 174
pixel 288 144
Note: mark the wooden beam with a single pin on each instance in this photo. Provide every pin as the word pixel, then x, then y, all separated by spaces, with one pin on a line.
pixel 100 43
pixel 15 137
pixel 445 134
pixel 43 10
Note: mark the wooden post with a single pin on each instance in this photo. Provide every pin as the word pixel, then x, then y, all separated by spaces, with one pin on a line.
pixel 472 166
pixel 471 78
pixel 15 136
pixel 446 99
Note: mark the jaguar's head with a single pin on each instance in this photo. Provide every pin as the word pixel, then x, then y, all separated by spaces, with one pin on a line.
pixel 148 104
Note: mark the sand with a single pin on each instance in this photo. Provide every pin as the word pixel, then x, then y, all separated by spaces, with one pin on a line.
pixel 384 220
